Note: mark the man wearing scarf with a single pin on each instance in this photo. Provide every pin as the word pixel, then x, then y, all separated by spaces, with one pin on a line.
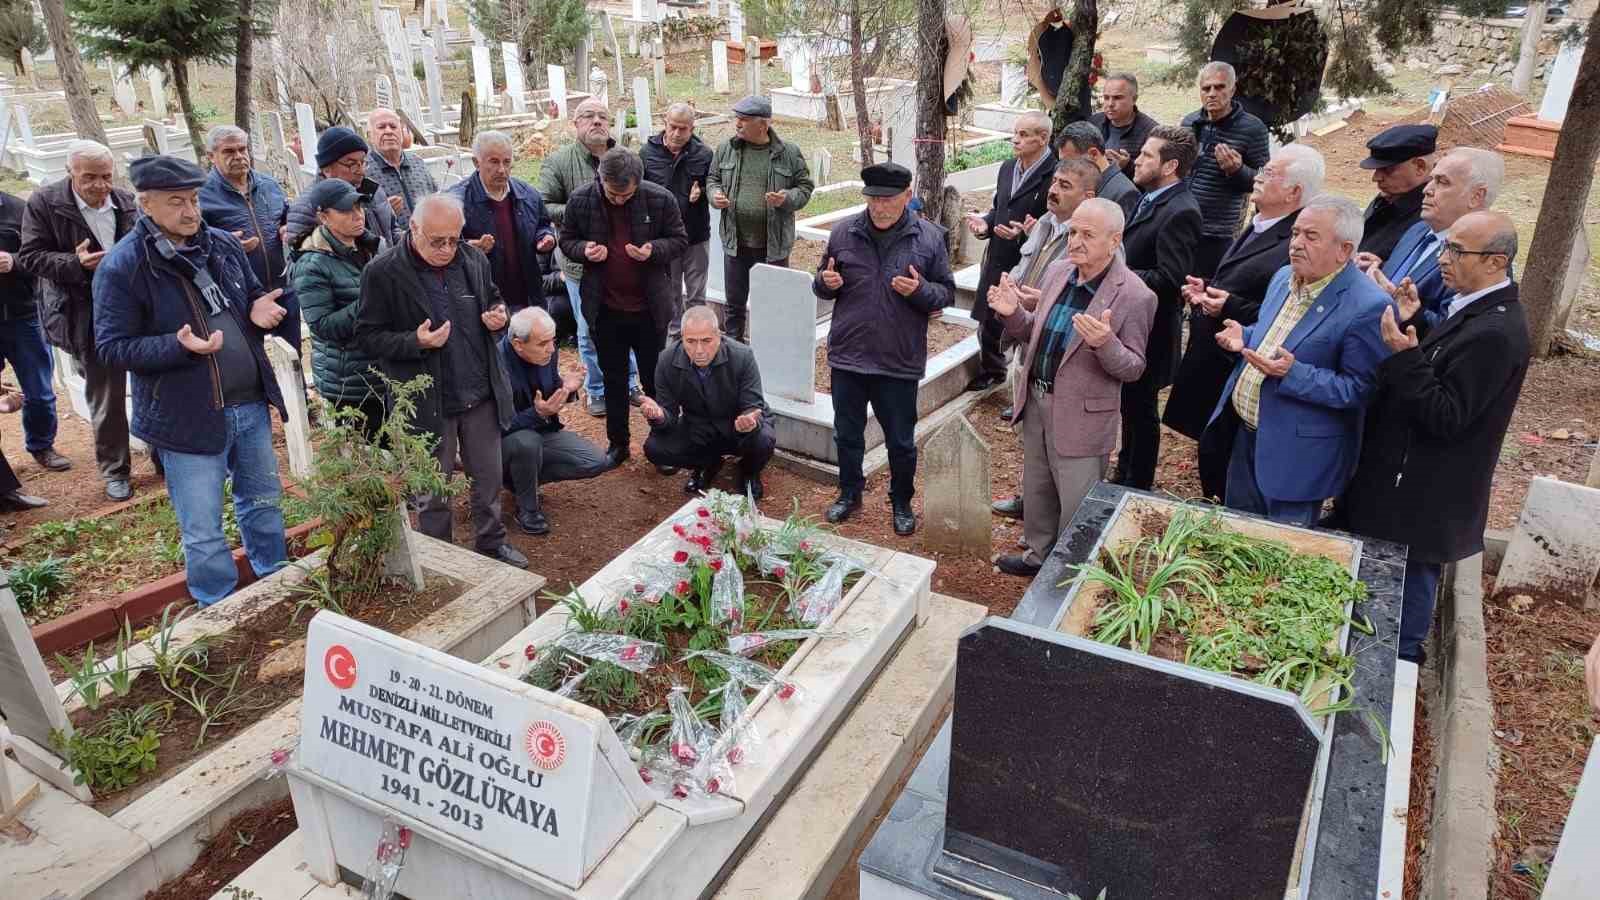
pixel 177 305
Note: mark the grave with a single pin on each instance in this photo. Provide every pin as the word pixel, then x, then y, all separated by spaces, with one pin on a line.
pixel 883 95
pixel 719 66
pixel 1161 784
pixel 956 490
pixel 43 158
pixel 1555 545
pixel 1537 135
pixel 511 58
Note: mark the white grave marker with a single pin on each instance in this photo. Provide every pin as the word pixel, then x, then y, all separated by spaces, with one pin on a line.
pixel 1576 868
pixel 291 380
pixel 477 36
pixel 752 66
pixel 715 9
pixel 557 76
pixel 714 274
pixel 1558 86
pixel 28 699
pixel 955 504
pixel 719 66
pixel 823 160
pixel 638 9
pixel 413 29
pixel 430 68
pixel 783 330
pixel 440 7
pixel 158 92
pixel 600 86
pixel 382 93
pixel 306 124
pixel 441 46
pixel 24 127
pixel 799 57
pixel 641 108
pixel 510 55
pixel 123 91
pixel 735 22
pixel 1013 84
pixel 482 76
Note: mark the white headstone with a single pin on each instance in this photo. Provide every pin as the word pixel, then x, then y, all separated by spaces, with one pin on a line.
pixel 306 124
pixel 638 9
pixel 511 57
pixel 650 11
pixel 735 22
pixel 441 44
pixel 1013 84
pixel 658 66
pixel 715 10
pixel 397 45
pixel 404 558
pixel 477 36
pixel 900 121
pixel 752 66
pixel 159 130
pixel 24 127
pixel 430 69
pixel 382 93
pixel 482 76
pixel 955 501
pixel 123 91
pixel 714 275
pixel 291 380
pixel 783 331
pixel 799 57
pixel 822 165
pixel 719 66
pixel 552 787
pixel 641 108
pixel 441 10
pixel 1576 868
pixel 158 92
pixel 1555 545
pixel 600 86
pixel 28 698
pixel 557 76
pixel 1558 85
pixel 413 29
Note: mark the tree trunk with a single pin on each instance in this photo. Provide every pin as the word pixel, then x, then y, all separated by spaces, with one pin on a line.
pixel 244 66
pixel 1085 21
pixel 858 85
pixel 1565 193
pixel 85 120
pixel 1528 54
pixel 179 69
pixel 931 120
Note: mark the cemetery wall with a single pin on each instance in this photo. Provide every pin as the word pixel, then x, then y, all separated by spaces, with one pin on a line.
pixel 1463 46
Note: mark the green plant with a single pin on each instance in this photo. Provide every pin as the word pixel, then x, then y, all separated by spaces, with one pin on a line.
pixel 314 592
pixel 85 675
pixel 170 660
pixel 114 754
pixel 121 673
pixel 214 700
pixel 678 30
pixel 981 155
pixel 35 583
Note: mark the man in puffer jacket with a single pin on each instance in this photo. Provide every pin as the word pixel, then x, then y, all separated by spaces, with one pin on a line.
pixel 327 279
pixel 1233 145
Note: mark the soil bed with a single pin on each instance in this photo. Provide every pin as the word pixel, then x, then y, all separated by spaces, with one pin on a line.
pixel 236 846
pixel 941 337
pixel 248 644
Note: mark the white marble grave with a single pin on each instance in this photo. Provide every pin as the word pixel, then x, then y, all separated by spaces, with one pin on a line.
pixel 32 710
pixel 382 92
pixel 641 109
pixel 1576 868
pixel 557 77
pixel 123 91
pixel 482 76
pixel 306 125
pixel 516 86
pixel 158 92
pixel 735 22
pixel 1555 545
pixel 783 331
pixel 1558 85
pixel 719 66
pixel 291 380
pixel 430 69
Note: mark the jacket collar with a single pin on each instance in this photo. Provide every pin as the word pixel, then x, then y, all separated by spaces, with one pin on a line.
pixel 1323 304
pixel 1402 206
pixel 1507 294
pixel 773 141
pixel 216 178
pixel 477 193
pixel 862 225
pixel 1199 117
pixel 681 360
pixel 1109 289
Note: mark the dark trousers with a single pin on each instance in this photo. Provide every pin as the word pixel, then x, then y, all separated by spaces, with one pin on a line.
pixel 1208 254
pixel 9 483
pixel 106 389
pixel 991 357
pixel 701 444
pixel 372 408
pixel 1416 611
pixel 533 458
pixel 736 287
pixel 1141 432
pixel 1244 494
pixel 22 345
pixel 615 335
pixel 1215 451
pixel 894 402
pixel 476 433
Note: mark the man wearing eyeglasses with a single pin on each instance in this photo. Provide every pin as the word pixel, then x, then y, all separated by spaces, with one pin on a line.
pixel 1439 417
pixel 341 153
pixel 429 306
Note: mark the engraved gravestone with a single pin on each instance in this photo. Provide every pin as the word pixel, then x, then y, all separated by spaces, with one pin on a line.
pixel 956 493
pixel 783 330
pixel 28 701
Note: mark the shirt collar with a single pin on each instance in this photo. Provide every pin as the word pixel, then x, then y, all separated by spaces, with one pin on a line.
pixel 1315 287
pixel 1462 300
pixel 109 206
pixel 1151 196
pixel 1260 224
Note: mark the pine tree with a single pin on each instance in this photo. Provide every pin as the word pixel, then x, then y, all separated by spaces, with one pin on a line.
pixel 19 31
pixel 69 65
pixel 164 33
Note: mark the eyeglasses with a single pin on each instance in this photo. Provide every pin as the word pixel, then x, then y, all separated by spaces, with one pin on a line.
pixel 351 165
pixel 442 243
pixel 1454 250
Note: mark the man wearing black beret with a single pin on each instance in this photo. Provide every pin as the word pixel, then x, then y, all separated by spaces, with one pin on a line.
pixel 1400 166
pixel 177 305
pixel 341 153
pixel 888 272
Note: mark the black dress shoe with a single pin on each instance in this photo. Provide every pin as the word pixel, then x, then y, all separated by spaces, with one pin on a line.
pixel 843 507
pixel 119 489
pixel 905 522
pixel 532 521
pixel 508 555
pixel 666 470
pixel 17 501
pixel 1010 509
pixel 1008 413
pixel 50 459
pixel 616 456
pixel 1017 564
pixel 702 479
pixel 983 382
pixel 752 488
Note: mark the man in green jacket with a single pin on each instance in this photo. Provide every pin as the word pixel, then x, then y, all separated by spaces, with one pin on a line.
pixel 759 182
pixel 564 171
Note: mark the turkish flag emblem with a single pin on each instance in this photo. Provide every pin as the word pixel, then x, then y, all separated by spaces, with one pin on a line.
pixel 339 664
pixel 546 746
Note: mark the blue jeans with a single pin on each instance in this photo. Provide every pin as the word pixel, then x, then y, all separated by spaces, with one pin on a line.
pixel 22 345
pixel 1245 495
pixel 593 382
pixel 194 484
pixel 1416 612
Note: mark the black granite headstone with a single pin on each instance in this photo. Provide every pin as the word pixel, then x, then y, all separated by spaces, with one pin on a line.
pixel 1076 766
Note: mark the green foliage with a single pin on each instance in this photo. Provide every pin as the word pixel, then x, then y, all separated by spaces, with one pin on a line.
pixel 314 592
pixel 214 699
pixel 679 29
pixel 156 32
pixel 545 30
pixel 1280 63
pixel 85 675
pixel 19 31
pixel 115 753
pixel 981 155
pixel 35 583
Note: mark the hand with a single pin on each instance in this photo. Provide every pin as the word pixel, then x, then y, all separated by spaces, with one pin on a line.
pixel 1029 296
pixel 85 258
pixel 906 285
pixel 1119 158
pixel 719 199
pixel 976 224
pixel 6 261
pixel 747 421
pixel 1366 262
pixel 430 338
pixel 694 192
pixel 1028 222
pixel 1009 231
pixel 1404 293
pixel 831 279
pixel 1228 159
pixel 397 203
pixel 549 407
pixel 484 242
pixel 652 410
pixel 265 311
pixel 494 318
pixel 1095 331
pixel 1591 674
pixel 595 253
pixel 775 198
pixel 638 254
pixel 1231 337
pixel 545 243
pixel 1003 297
pixel 1392 335
pixel 1275 366
pixel 248 243
pixel 194 344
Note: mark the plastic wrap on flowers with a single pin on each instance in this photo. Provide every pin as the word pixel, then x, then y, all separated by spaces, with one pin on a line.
pixel 619 649
pixel 754 641
pixel 387 861
pixel 689 737
pixel 771 563
pixel 740 740
pixel 569 688
pixel 818 601
pixel 727 592
pixel 749 672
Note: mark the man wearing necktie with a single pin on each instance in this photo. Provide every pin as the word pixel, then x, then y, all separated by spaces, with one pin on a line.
pixel 1306 372
pixel 1439 416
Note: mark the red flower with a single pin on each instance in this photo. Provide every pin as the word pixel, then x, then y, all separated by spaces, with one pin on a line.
pixel 530 652
pixel 713 784
pixel 678 530
pixel 703 513
pixel 805 545
pixel 779 571
pixel 622 607
pixel 279 757
pixel 786 691
pixel 716 565
pixel 681 588
pixel 736 755
pixel 629 653
pixel 638 589
pixel 405 837
pixel 679 791
pixel 681 557
pixel 684 753
pixel 644 774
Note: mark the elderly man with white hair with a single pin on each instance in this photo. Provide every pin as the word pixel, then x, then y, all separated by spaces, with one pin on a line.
pixel 403 174
pixel 1233 144
pixel 1305 373
pixel 506 219
pixel 429 306
pixel 67 228
pixel 1283 186
pixel 679 161
pixel 252 206
pixel 1085 341
pixel 536 448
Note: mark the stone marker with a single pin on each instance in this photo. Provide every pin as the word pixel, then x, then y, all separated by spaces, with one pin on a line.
pixel 600 86
pixel 799 55
pixel 714 274
pixel 292 384
pixel 306 124
pixel 123 91
pixel 382 92
pixel 1558 84
pixel 413 29
pixel 1013 84
pixel 956 492
pixel 516 86
pixel 823 165
pixel 1576 868
pixel 752 66
pixel 482 75
pixel 719 66
pixel 659 66
pixel 158 92
pixel 641 108
pixel 1080 767
pixel 714 10
pixel 441 8
pixel 900 125
pixel 472 29
pixel 404 559
pixel 441 44
pixel 430 70
pixel 557 76
pixel 28 701
pixel 783 330
pixel 157 132
pixel 25 127
pixel 1555 546
pixel 735 22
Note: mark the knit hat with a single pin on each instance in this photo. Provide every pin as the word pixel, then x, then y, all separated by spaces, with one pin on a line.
pixel 336 143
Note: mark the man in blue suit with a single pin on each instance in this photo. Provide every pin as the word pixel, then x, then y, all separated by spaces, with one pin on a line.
pixel 1465 180
pixel 1306 372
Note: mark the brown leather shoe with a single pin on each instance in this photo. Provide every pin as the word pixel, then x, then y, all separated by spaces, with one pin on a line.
pixel 50 459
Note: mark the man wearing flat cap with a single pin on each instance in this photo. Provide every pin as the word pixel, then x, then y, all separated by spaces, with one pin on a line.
pixel 758 182
pixel 177 304
pixel 341 153
pixel 1400 165
pixel 888 272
